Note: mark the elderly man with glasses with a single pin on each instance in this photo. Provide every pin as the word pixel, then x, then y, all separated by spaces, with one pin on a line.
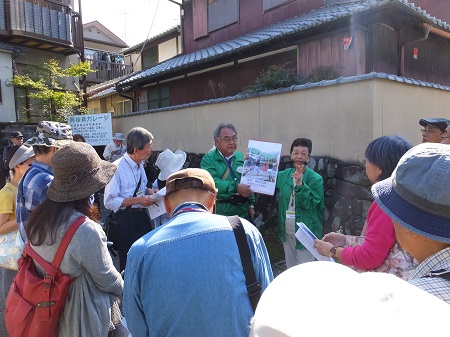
pixel 433 129
pixel 225 165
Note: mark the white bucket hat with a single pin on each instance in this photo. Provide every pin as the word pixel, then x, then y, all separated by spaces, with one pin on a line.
pixel 118 136
pixel 169 162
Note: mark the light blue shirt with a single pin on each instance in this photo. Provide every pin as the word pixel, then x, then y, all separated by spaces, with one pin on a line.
pixel 124 182
pixel 185 278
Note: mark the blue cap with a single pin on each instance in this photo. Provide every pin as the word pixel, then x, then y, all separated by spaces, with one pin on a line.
pixel 440 123
pixel 417 195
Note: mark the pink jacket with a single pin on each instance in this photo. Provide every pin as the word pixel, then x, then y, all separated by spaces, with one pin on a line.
pixel 376 245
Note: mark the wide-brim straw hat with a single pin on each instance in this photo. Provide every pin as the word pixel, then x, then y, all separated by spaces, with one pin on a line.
pixel 51 134
pixel 78 173
pixel 169 162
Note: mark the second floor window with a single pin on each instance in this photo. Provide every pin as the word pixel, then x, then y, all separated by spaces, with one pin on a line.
pixel 222 13
pixel 149 57
pixel 212 15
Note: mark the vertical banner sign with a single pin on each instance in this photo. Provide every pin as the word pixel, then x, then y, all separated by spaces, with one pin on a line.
pixel 347 42
pixel 95 128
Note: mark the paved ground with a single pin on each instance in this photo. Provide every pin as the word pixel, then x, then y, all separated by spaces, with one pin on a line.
pixel 277 268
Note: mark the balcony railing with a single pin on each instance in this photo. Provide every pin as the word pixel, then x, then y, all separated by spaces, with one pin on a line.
pixel 105 71
pixel 50 21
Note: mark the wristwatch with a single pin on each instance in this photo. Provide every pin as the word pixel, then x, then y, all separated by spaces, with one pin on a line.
pixel 332 252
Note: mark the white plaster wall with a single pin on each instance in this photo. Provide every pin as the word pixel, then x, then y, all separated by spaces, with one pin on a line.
pixel 340 119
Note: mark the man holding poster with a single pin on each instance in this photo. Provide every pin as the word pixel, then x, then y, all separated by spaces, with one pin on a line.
pixel 225 165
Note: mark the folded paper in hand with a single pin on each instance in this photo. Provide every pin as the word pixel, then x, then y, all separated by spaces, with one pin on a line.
pixel 306 238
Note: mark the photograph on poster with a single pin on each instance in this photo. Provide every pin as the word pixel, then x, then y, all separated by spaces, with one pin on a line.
pixel 261 166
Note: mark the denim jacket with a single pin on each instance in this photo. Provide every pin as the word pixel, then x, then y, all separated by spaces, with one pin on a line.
pixel 185 278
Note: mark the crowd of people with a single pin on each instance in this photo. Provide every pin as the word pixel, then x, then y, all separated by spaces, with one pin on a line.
pixel 188 272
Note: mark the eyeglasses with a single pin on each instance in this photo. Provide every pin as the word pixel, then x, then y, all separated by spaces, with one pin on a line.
pixel 429 131
pixel 444 137
pixel 229 140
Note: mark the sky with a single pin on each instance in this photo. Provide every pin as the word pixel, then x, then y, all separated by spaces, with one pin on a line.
pixel 132 23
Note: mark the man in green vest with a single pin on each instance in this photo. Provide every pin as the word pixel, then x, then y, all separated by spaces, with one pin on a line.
pixel 225 165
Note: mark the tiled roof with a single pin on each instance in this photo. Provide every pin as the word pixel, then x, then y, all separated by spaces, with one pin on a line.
pixel 103 93
pixel 273 32
pixel 325 83
pixel 153 38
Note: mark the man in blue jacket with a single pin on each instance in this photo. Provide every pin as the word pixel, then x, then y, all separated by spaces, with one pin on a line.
pixel 186 278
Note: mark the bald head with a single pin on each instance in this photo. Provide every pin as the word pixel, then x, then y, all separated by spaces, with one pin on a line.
pixel 201 196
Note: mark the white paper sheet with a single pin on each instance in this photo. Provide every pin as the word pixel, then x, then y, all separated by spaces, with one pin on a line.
pixel 306 238
pixel 157 209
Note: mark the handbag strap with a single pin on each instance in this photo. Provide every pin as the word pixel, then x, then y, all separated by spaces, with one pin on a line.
pixel 253 286
pixel 135 192
pixel 53 268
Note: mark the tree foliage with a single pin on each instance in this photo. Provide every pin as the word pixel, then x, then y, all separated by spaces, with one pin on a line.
pixel 46 84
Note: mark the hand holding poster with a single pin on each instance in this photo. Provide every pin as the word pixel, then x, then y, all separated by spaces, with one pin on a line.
pixel 261 167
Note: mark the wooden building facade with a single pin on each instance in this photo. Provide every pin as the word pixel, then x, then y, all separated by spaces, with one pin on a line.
pixel 353 37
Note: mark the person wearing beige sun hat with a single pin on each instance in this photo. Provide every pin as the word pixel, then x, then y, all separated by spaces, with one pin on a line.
pixel 168 162
pixel 31 192
pixel 115 149
pixel 91 308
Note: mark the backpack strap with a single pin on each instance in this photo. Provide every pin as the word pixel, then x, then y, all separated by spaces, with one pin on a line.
pixel 66 240
pixel 53 268
pixel 253 286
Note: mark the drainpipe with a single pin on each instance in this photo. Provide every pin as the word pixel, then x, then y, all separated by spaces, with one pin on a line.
pixel 427 29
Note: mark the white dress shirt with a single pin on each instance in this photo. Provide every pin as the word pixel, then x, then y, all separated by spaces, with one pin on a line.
pixel 124 182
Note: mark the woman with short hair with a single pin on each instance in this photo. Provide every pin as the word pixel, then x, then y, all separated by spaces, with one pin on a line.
pixel 376 244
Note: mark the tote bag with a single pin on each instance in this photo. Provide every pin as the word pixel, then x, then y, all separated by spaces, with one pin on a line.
pixel 11 247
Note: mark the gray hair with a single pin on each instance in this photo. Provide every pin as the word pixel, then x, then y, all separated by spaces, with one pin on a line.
pixel 137 138
pixel 221 126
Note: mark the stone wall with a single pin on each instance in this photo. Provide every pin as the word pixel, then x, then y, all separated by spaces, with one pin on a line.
pixel 346 188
